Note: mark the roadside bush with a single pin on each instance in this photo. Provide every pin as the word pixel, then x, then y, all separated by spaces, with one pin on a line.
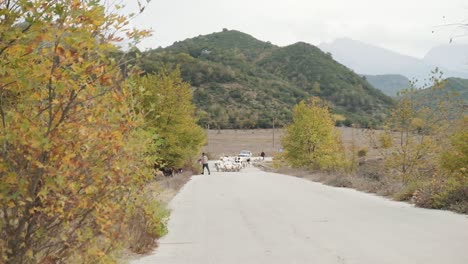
pixel 457 199
pixel 407 192
pixel 452 194
pixel 339 181
pixel 146 223
pixel 423 197
pixel 385 140
pixel 443 194
pixel 362 152
pixel 455 159
pixel 72 157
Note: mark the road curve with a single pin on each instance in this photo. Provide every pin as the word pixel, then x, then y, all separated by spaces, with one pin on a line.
pixel 254 217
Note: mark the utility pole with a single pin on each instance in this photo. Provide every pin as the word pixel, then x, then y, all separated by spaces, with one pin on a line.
pixel 273 133
pixel 208 137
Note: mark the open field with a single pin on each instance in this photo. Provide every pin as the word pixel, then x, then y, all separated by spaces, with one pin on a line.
pixel 230 141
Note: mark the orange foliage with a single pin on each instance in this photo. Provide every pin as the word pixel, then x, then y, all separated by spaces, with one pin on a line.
pixel 67 165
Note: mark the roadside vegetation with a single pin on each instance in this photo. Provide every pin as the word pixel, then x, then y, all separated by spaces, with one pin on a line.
pixel 422 151
pixel 421 148
pixel 80 135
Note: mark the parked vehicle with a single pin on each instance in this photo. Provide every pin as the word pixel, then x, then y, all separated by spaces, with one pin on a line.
pixel 245 153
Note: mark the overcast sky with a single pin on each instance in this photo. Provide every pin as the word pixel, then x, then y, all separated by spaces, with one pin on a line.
pixel 404 26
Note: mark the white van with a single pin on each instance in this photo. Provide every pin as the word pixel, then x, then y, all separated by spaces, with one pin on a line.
pixel 245 153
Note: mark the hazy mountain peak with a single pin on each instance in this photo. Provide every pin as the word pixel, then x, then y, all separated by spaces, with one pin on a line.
pixel 369 59
pixel 450 56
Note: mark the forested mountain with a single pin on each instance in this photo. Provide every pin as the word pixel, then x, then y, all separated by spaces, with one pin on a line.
pixel 458 86
pixel 239 81
pixel 389 84
pixel 455 88
pixel 317 74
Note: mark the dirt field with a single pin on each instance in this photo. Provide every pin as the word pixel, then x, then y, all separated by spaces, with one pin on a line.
pixel 230 142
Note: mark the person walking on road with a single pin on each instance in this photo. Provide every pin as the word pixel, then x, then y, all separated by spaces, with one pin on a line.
pixel 263 155
pixel 204 161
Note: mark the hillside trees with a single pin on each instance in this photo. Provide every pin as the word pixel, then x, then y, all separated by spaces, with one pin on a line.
pixel 313 71
pixel 311 140
pixel 423 147
pixel 72 156
pixel 255 81
pixel 165 100
pixel 421 125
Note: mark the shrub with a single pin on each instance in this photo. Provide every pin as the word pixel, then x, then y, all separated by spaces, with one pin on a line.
pixel 386 140
pixel 407 192
pixel 443 194
pixel 455 158
pixel 67 160
pixel 339 181
pixel 362 152
pixel 146 223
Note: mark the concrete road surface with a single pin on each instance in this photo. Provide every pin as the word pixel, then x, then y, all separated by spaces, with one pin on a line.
pixel 254 217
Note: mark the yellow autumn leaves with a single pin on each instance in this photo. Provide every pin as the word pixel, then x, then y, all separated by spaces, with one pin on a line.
pixel 312 140
pixel 74 151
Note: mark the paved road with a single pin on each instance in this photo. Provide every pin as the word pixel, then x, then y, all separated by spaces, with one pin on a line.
pixel 253 217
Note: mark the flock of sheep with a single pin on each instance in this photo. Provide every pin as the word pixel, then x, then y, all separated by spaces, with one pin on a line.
pixel 233 163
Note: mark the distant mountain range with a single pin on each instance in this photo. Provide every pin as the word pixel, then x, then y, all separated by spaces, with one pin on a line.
pixel 241 82
pixel 367 59
pixel 389 84
pixel 453 57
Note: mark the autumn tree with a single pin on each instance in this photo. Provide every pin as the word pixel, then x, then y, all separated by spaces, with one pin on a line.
pixel 165 100
pixel 71 155
pixel 417 130
pixel 453 179
pixel 455 157
pixel 311 140
pixel 423 147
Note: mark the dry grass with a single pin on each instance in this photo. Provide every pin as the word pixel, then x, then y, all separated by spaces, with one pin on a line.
pixel 231 141
pixel 160 191
pixel 367 178
pixel 165 188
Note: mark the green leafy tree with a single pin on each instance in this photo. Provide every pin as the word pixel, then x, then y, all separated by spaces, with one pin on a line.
pixel 165 100
pixel 311 140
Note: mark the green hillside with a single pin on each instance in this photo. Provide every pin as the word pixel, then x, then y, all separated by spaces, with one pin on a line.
pixel 317 74
pixel 227 44
pixel 241 82
pixel 389 84
pixel 453 92
pixel 459 87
